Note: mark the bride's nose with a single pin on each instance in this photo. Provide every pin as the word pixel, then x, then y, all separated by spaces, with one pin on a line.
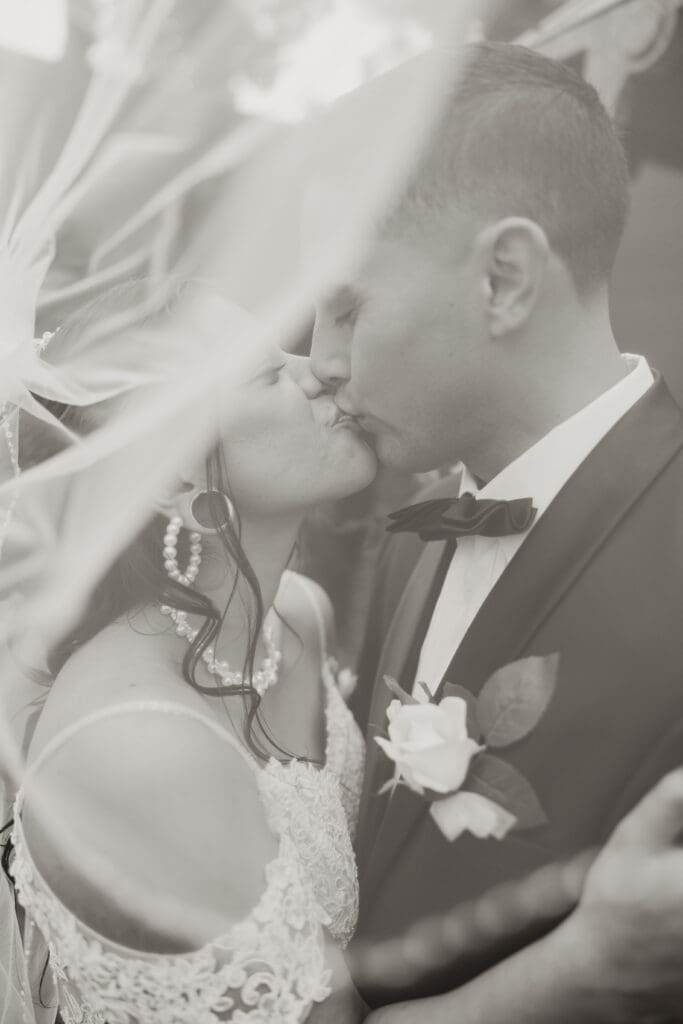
pixel 299 367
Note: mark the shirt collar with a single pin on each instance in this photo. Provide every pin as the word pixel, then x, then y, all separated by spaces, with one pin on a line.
pixel 542 470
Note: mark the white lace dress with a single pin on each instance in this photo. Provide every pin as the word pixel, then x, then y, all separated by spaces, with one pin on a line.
pixel 270 967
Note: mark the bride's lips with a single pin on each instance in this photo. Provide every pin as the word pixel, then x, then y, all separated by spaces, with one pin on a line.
pixel 342 419
pixel 328 414
pixel 345 421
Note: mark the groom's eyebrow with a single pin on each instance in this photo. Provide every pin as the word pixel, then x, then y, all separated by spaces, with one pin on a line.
pixel 341 296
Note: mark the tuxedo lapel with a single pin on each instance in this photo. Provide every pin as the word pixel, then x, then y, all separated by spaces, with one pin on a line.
pixel 397 653
pixel 576 524
pixel 587 509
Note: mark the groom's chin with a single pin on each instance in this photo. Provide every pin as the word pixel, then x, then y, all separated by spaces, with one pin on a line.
pixel 399 456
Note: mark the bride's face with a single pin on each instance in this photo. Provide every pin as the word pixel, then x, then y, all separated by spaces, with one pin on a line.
pixel 287 447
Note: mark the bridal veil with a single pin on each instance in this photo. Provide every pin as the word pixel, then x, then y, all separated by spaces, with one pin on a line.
pixel 166 141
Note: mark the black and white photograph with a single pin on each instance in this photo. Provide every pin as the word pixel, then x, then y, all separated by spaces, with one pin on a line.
pixel 341 511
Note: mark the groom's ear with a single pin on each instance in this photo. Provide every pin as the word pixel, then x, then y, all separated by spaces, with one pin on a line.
pixel 513 255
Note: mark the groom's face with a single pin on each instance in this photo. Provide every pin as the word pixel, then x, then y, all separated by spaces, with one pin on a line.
pixel 399 343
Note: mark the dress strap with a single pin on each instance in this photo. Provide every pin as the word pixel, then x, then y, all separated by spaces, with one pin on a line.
pixel 165 707
pixel 312 597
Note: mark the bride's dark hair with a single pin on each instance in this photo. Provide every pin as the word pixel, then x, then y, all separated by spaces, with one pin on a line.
pixel 137 577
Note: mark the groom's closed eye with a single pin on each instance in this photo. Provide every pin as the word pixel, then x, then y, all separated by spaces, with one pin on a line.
pixel 343 305
pixel 346 319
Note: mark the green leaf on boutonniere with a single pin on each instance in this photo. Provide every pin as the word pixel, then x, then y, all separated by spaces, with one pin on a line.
pixel 454 690
pixel 514 699
pixel 499 781
pixel 399 692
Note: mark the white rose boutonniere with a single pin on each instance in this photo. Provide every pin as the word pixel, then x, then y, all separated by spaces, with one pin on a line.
pixel 429 744
pixel 440 749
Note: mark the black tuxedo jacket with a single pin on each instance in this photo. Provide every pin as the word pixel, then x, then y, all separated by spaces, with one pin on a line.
pixel 599 579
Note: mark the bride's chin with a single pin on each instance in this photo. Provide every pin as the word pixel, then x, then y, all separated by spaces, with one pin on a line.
pixel 358 464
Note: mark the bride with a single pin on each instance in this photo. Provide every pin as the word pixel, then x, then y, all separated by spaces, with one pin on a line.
pixel 194 738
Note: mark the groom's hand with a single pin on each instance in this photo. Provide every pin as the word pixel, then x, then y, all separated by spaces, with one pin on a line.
pixel 630 917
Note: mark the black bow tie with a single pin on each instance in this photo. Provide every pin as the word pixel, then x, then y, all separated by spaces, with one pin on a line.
pixel 466 516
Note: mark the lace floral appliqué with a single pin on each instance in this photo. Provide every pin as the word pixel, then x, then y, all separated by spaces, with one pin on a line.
pixel 269 968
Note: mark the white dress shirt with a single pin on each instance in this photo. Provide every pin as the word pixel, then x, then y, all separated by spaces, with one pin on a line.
pixel 539 473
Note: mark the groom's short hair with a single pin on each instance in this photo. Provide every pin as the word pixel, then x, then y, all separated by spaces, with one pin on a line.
pixel 523 135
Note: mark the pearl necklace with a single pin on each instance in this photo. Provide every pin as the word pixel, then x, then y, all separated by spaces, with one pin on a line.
pixel 262 680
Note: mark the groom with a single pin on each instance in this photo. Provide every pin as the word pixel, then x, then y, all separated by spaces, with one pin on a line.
pixel 477 330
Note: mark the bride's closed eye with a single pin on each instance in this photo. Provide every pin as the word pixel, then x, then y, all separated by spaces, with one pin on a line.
pixel 270 374
pixel 274 374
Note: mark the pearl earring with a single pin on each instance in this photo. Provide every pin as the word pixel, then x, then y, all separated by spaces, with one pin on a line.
pixel 171 566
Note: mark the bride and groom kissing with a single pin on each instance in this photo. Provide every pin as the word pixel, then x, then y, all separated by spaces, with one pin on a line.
pixel 477 331
pixel 523 652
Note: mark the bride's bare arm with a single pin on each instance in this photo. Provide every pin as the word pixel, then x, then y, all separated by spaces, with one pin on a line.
pixel 151 831
pixel 617 957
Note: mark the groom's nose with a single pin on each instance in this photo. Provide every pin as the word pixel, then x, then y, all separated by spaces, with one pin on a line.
pixel 329 353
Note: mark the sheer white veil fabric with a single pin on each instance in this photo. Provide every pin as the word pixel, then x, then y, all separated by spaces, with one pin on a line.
pixel 146 168
pixel 77 119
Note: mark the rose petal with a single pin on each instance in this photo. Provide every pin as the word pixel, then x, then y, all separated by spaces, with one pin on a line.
pixel 419 715
pixel 386 746
pixel 405 772
pixel 410 726
pixel 394 707
pixel 454 710
pixel 470 812
pixel 416 741
pixel 403 768
pixel 442 768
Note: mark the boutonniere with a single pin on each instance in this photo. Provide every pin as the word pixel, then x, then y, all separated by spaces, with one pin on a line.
pixel 441 749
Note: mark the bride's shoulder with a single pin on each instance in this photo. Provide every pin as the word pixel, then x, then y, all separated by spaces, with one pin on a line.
pixel 120 663
pixel 306 607
pixel 159 783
